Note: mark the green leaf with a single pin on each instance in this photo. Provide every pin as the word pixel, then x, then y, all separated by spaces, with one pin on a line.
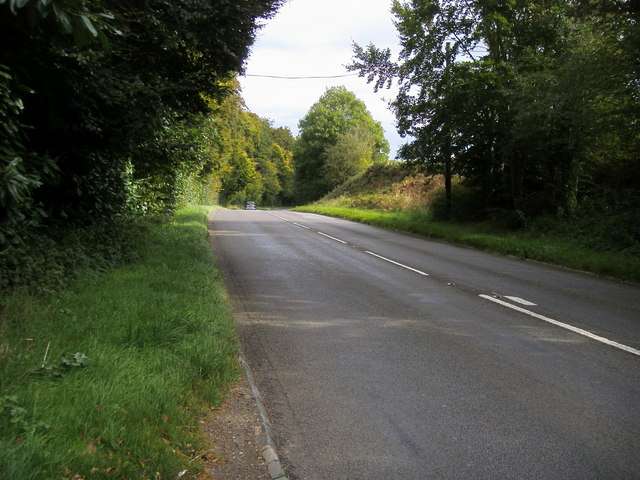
pixel 17 4
pixel 88 25
pixel 42 7
pixel 104 40
pixel 63 18
pixel 78 359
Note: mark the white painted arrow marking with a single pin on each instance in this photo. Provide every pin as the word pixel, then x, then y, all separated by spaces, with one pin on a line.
pixel 521 301
pixel 566 326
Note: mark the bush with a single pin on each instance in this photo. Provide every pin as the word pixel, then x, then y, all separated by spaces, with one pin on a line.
pixel 604 230
pixel 54 258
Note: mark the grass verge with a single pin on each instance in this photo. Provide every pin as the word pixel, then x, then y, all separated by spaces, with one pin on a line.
pixel 108 379
pixel 548 248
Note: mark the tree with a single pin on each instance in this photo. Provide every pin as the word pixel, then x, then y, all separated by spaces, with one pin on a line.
pixel 432 34
pixel 103 80
pixel 336 112
pixel 352 153
pixel 520 97
pixel 249 155
pixel 282 158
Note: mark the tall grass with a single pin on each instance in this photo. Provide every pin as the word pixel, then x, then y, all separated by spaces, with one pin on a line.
pixel 559 250
pixel 107 379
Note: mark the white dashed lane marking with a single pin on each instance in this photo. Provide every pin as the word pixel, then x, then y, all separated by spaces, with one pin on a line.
pixel 332 238
pixel 419 272
pixel 494 298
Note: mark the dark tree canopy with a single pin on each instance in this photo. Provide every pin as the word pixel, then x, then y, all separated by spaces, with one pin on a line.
pixel 89 87
pixel 536 104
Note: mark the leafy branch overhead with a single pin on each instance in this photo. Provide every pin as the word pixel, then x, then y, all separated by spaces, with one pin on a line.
pixel 72 16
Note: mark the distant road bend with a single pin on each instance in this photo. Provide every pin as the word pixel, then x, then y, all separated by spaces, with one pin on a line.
pixel 381 355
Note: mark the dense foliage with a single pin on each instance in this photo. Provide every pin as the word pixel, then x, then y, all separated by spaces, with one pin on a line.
pixel 254 158
pixel 535 104
pixel 98 99
pixel 338 138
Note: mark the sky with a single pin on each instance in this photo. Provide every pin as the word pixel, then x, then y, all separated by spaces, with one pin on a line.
pixel 314 38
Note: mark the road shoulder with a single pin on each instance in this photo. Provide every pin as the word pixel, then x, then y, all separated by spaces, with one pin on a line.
pixel 234 432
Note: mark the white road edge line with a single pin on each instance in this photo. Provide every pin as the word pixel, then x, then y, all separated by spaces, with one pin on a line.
pixel 419 272
pixel 332 238
pixel 566 326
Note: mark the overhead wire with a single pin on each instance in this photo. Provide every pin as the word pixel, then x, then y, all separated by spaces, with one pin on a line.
pixel 310 77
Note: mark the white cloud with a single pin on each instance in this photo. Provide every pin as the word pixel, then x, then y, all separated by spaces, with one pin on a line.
pixel 314 38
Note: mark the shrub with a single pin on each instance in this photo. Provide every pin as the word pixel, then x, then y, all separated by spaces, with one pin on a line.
pixel 56 257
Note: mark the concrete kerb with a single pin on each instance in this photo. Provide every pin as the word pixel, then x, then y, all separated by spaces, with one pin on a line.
pixel 269 454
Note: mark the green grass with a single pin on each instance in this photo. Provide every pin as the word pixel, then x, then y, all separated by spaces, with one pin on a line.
pixel 546 248
pixel 161 347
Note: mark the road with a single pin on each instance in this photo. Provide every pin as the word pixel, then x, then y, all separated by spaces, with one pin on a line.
pixel 381 355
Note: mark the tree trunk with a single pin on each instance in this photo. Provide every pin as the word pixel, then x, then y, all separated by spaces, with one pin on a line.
pixel 517 176
pixel 447 184
pixel 447 149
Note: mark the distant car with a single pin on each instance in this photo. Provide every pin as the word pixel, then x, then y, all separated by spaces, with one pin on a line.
pixel 250 206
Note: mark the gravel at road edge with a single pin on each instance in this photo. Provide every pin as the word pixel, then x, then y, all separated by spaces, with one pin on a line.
pixel 239 448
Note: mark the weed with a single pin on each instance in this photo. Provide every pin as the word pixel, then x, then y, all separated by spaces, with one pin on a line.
pixel 13 416
pixel 65 364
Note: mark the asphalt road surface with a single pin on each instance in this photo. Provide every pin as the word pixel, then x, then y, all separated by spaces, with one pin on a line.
pixel 381 355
